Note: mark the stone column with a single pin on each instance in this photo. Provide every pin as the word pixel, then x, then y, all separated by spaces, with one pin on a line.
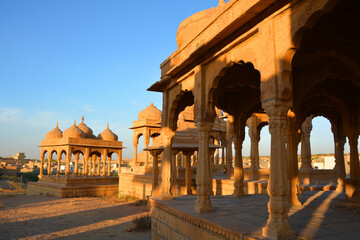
pixel 203 180
pixel 222 154
pixel 93 159
pixel 293 137
pixel 41 165
pixel 217 157
pixel 165 187
pixel 254 135
pixel 188 176
pixel 67 163
pixel 119 160
pixel 339 141
pixel 277 226
pixel 146 143
pixel 49 164
pixel 155 172
pixel 194 164
pixel 135 143
pixel 104 159
pixel 76 169
pixel 229 156
pixel 98 161
pixel 239 170
pixel 109 166
pixel 354 156
pixel 178 163
pixel 58 169
pixel 175 189
pixel 86 162
pixel 305 144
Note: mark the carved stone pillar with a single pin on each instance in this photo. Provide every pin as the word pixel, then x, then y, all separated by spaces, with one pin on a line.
pixel 165 187
pixel 135 143
pixel 194 164
pixel 76 169
pixel 354 156
pixel 293 137
pixel 58 168
pixel 49 165
pixel 339 141
pixel 108 172
pixel 229 156
pixel 41 165
pixel 67 163
pixel 119 160
pixel 187 155
pixel 217 157
pixel 305 144
pixel 277 226
pixel 155 172
pixel 146 143
pixel 86 162
pixel 222 154
pixel 239 169
pixel 98 161
pixel 203 177
pixel 175 188
pixel 254 149
pixel 93 164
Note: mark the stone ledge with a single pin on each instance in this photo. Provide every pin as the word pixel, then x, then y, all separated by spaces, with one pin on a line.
pixel 196 221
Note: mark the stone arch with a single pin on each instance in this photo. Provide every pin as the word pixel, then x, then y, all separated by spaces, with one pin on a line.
pixel 182 100
pixel 242 79
pixel 302 25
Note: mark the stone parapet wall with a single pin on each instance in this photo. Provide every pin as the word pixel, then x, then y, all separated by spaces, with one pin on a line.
pixel 312 176
pixel 170 223
pixel 226 187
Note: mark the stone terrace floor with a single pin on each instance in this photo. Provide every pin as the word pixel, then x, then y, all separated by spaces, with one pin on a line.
pixel 318 218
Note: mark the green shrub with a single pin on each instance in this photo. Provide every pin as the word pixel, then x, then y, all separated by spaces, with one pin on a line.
pixel 30 177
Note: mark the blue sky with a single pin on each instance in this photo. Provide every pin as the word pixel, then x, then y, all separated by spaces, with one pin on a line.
pixel 62 59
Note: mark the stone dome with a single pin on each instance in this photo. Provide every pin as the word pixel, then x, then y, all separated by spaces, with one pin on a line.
pixel 108 135
pixel 87 131
pixel 194 24
pixel 55 133
pixel 151 112
pixel 74 132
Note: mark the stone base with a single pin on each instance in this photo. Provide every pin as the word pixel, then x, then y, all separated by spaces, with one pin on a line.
pixel 171 223
pixel 62 186
pixel 312 176
pixel 352 190
pixel 142 170
pixel 138 186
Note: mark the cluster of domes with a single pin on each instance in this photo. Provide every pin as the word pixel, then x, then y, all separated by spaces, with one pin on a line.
pixel 81 131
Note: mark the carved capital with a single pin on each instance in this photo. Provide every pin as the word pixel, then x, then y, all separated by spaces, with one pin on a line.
pixel 155 153
pixel 277 112
pixel 167 134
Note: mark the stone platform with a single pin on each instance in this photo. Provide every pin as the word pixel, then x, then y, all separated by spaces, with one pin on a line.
pixel 243 218
pixel 62 186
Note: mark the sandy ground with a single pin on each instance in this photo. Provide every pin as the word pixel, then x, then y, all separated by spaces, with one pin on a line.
pixel 40 217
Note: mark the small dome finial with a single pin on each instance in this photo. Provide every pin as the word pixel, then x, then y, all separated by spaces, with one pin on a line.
pixel 107 126
pixel 82 119
pixel 57 125
pixel 74 122
pixel 221 3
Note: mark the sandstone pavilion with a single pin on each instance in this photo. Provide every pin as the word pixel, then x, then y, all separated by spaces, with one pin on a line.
pixel 83 165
